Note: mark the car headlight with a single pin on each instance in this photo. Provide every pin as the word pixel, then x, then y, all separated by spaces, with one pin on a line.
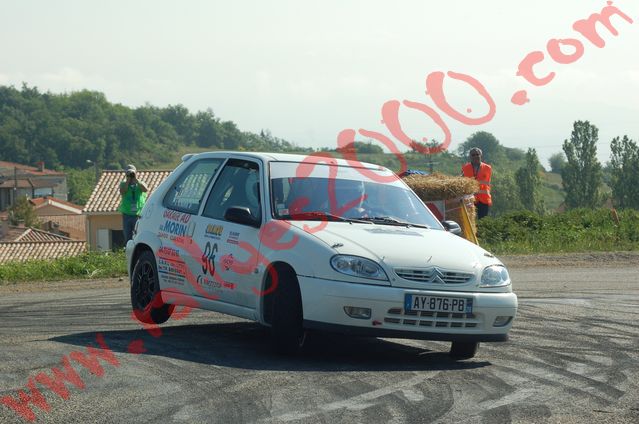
pixel 495 276
pixel 358 267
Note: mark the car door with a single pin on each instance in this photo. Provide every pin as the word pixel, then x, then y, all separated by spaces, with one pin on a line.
pixel 177 257
pixel 228 264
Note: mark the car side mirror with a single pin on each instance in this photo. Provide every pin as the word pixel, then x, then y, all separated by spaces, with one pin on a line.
pixel 452 227
pixel 241 215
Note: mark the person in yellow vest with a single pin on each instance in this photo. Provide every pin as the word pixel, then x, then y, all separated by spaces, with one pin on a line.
pixel 133 192
pixel 481 172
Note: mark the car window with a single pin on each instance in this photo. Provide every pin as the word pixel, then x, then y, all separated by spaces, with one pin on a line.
pixel 187 192
pixel 237 186
pixel 343 192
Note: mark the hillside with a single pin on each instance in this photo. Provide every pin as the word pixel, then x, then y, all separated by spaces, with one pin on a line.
pixel 71 131
pixel 67 130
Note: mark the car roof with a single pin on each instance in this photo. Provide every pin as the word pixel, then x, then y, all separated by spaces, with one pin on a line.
pixel 283 157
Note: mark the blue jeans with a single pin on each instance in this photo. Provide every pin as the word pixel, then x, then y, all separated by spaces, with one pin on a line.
pixel 482 209
pixel 128 224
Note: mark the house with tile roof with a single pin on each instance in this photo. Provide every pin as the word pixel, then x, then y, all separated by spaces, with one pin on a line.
pixel 23 251
pixel 60 216
pixel 18 180
pixel 103 221
pixel 25 243
pixel 11 233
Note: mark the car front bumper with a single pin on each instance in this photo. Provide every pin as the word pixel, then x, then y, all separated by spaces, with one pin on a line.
pixel 323 304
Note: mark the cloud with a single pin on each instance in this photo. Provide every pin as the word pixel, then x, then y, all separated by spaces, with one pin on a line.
pixel 577 77
pixel 263 82
pixel 69 79
pixel 633 75
pixel 355 83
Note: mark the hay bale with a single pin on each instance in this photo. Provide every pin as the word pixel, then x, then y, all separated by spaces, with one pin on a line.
pixel 440 187
pixel 454 191
pixel 454 211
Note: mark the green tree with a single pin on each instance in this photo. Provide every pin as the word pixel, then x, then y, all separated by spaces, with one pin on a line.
pixel 208 130
pixel 80 183
pixel 429 160
pixel 624 172
pixel 362 147
pixel 529 183
pixel 65 130
pixel 232 137
pixel 513 154
pixel 557 162
pixel 492 151
pixel 582 174
pixel 22 211
pixel 505 194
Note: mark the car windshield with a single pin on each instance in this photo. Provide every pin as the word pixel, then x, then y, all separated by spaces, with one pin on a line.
pixel 337 193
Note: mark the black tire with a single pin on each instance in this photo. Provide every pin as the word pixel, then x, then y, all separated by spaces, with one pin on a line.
pixel 463 350
pixel 287 328
pixel 145 292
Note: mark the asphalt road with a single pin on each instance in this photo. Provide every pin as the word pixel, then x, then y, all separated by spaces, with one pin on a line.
pixel 573 357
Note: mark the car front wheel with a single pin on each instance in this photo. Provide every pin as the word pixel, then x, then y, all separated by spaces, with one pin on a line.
pixel 145 292
pixel 287 330
pixel 463 350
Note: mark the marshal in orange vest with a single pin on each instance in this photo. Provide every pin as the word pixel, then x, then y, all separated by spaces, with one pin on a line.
pixel 483 177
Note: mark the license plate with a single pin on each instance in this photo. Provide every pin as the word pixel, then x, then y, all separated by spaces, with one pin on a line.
pixel 416 302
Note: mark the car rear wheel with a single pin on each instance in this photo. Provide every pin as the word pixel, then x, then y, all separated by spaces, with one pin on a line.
pixel 287 330
pixel 145 292
pixel 463 350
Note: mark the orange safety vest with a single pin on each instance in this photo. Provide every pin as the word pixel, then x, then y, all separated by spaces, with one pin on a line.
pixel 483 177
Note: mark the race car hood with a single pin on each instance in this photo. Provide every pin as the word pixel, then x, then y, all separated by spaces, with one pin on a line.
pixel 403 247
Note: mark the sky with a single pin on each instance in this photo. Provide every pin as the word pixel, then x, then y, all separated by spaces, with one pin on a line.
pixel 308 70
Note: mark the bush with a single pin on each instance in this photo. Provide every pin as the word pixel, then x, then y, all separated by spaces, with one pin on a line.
pixel 572 231
pixel 87 265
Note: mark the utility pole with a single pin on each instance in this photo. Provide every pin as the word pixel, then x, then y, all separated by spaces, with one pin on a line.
pixel 95 166
pixel 15 185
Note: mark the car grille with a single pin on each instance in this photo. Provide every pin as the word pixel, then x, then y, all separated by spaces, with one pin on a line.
pixel 431 319
pixel 434 276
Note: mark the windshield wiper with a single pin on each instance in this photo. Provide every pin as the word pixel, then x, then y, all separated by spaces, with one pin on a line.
pixel 387 220
pixel 320 216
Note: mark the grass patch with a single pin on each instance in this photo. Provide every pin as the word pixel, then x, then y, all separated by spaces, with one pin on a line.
pixel 87 265
pixel 579 230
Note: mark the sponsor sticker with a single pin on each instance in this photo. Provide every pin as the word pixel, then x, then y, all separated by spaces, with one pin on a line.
pixel 234 237
pixel 176 216
pixel 214 231
pixel 171 229
pixel 208 282
pixel 227 261
pixel 172 271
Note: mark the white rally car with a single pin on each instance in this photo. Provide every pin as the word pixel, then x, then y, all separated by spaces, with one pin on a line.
pixel 303 243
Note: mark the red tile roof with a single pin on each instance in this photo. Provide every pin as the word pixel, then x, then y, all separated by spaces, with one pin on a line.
pixel 33 234
pixel 22 182
pixel 106 194
pixel 21 234
pixel 39 202
pixel 26 168
pixel 23 251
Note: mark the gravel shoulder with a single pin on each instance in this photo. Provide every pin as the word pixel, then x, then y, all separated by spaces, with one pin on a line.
pixel 586 259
